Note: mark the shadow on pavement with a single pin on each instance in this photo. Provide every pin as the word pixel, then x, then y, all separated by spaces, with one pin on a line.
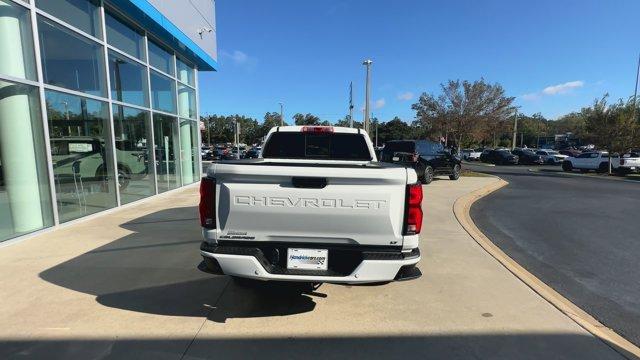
pixel 154 270
pixel 455 346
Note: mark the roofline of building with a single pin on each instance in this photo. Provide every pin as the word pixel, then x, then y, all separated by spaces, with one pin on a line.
pixel 159 25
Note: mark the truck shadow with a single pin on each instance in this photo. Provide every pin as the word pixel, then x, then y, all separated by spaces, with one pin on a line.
pixel 154 270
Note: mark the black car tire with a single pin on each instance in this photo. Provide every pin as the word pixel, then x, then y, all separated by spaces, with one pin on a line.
pixel 124 176
pixel 427 175
pixel 455 175
pixel 603 168
pixel 567 166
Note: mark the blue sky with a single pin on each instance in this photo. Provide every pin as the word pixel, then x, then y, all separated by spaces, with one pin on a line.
pixel 554 56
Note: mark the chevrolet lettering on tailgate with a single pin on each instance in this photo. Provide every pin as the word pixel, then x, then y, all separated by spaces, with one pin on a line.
pixel 282 201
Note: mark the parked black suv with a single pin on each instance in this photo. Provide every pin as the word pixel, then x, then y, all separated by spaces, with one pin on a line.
pixel 499 157
pixel 428 158
pixel 527 157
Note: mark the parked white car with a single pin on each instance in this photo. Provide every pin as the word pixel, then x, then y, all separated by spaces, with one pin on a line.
pixel 551 157
pixel 594 160
pixel 316 206
pixel 471 154
pixel 629 162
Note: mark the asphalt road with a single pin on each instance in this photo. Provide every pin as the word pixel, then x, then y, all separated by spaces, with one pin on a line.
pixel 579 235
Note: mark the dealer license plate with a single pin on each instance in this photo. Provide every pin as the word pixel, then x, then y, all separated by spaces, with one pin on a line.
pixel 307 259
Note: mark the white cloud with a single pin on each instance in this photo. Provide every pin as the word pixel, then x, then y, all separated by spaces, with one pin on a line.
pixel 378 104
pixel 530 97
pixel 239 58
pixel 562 88
pixel 405 96
pixel 553 90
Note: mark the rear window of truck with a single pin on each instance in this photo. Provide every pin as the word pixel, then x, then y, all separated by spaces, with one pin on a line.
pixel 316 146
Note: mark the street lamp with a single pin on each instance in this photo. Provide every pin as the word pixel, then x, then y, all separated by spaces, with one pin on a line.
pixel 281 113
pixel 367 63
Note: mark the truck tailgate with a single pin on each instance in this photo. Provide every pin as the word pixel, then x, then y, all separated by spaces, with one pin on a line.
pixel 358 205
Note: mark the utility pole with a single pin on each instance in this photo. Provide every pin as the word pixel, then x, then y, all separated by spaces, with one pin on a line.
pixel 515 131
pixel 367 63
pixel 635 93
pixel 237 138
pixel 281 113
pixel 209 129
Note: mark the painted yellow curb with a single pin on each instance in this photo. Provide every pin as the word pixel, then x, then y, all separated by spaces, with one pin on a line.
pixel 461 210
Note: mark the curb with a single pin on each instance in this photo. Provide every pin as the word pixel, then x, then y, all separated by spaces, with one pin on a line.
pixel 477 163
pixel 568 174
pixel 461 209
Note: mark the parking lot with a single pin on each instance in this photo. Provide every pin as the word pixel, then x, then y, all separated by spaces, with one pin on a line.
pixel 125 285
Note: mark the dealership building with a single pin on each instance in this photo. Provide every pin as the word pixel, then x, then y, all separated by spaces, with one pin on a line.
pixel 98 105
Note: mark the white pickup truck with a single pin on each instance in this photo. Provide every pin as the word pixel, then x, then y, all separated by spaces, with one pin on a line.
pixel 629 162
pixel 315 207
pixel 593 160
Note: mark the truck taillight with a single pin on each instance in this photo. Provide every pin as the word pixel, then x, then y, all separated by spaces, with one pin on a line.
pixel 207 205
pixel 413 210
pixel 317 129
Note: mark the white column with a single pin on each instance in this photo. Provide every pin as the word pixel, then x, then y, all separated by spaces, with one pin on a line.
pixel 19 166
pixel 186 151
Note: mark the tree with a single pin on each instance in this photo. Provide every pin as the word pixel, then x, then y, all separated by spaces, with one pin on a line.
pixel 345 122
pixel 307 119
pixel 394 129
pixel 611 127
pixel 462 109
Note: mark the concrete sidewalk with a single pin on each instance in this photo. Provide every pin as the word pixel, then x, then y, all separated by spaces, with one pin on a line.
pixel 125 285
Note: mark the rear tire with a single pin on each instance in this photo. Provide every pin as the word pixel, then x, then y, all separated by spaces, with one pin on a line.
pixel 455 175
pixel 567 166
pixel 427 175
pixel 603 168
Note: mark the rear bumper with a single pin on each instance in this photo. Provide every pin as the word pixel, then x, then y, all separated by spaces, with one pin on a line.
pixel 370 266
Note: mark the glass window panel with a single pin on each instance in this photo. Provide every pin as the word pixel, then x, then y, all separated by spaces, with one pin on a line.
pixel 186 102
pixel 165 135
pixel 25 201
pixel 16 41
pixel 124 37
pixel 128 80
pixel 82 155
pixel 160 58
pixel 163 93
pixel 70 60
pixel 186 73
pixel 83 14
pixel 132 135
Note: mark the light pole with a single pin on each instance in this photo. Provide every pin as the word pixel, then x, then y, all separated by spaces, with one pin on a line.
pixel 635 93
pixel 281 113
pixel 367 63
pixel 515 131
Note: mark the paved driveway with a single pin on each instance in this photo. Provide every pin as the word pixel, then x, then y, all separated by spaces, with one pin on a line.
pixel 125 285
pixel 578 234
